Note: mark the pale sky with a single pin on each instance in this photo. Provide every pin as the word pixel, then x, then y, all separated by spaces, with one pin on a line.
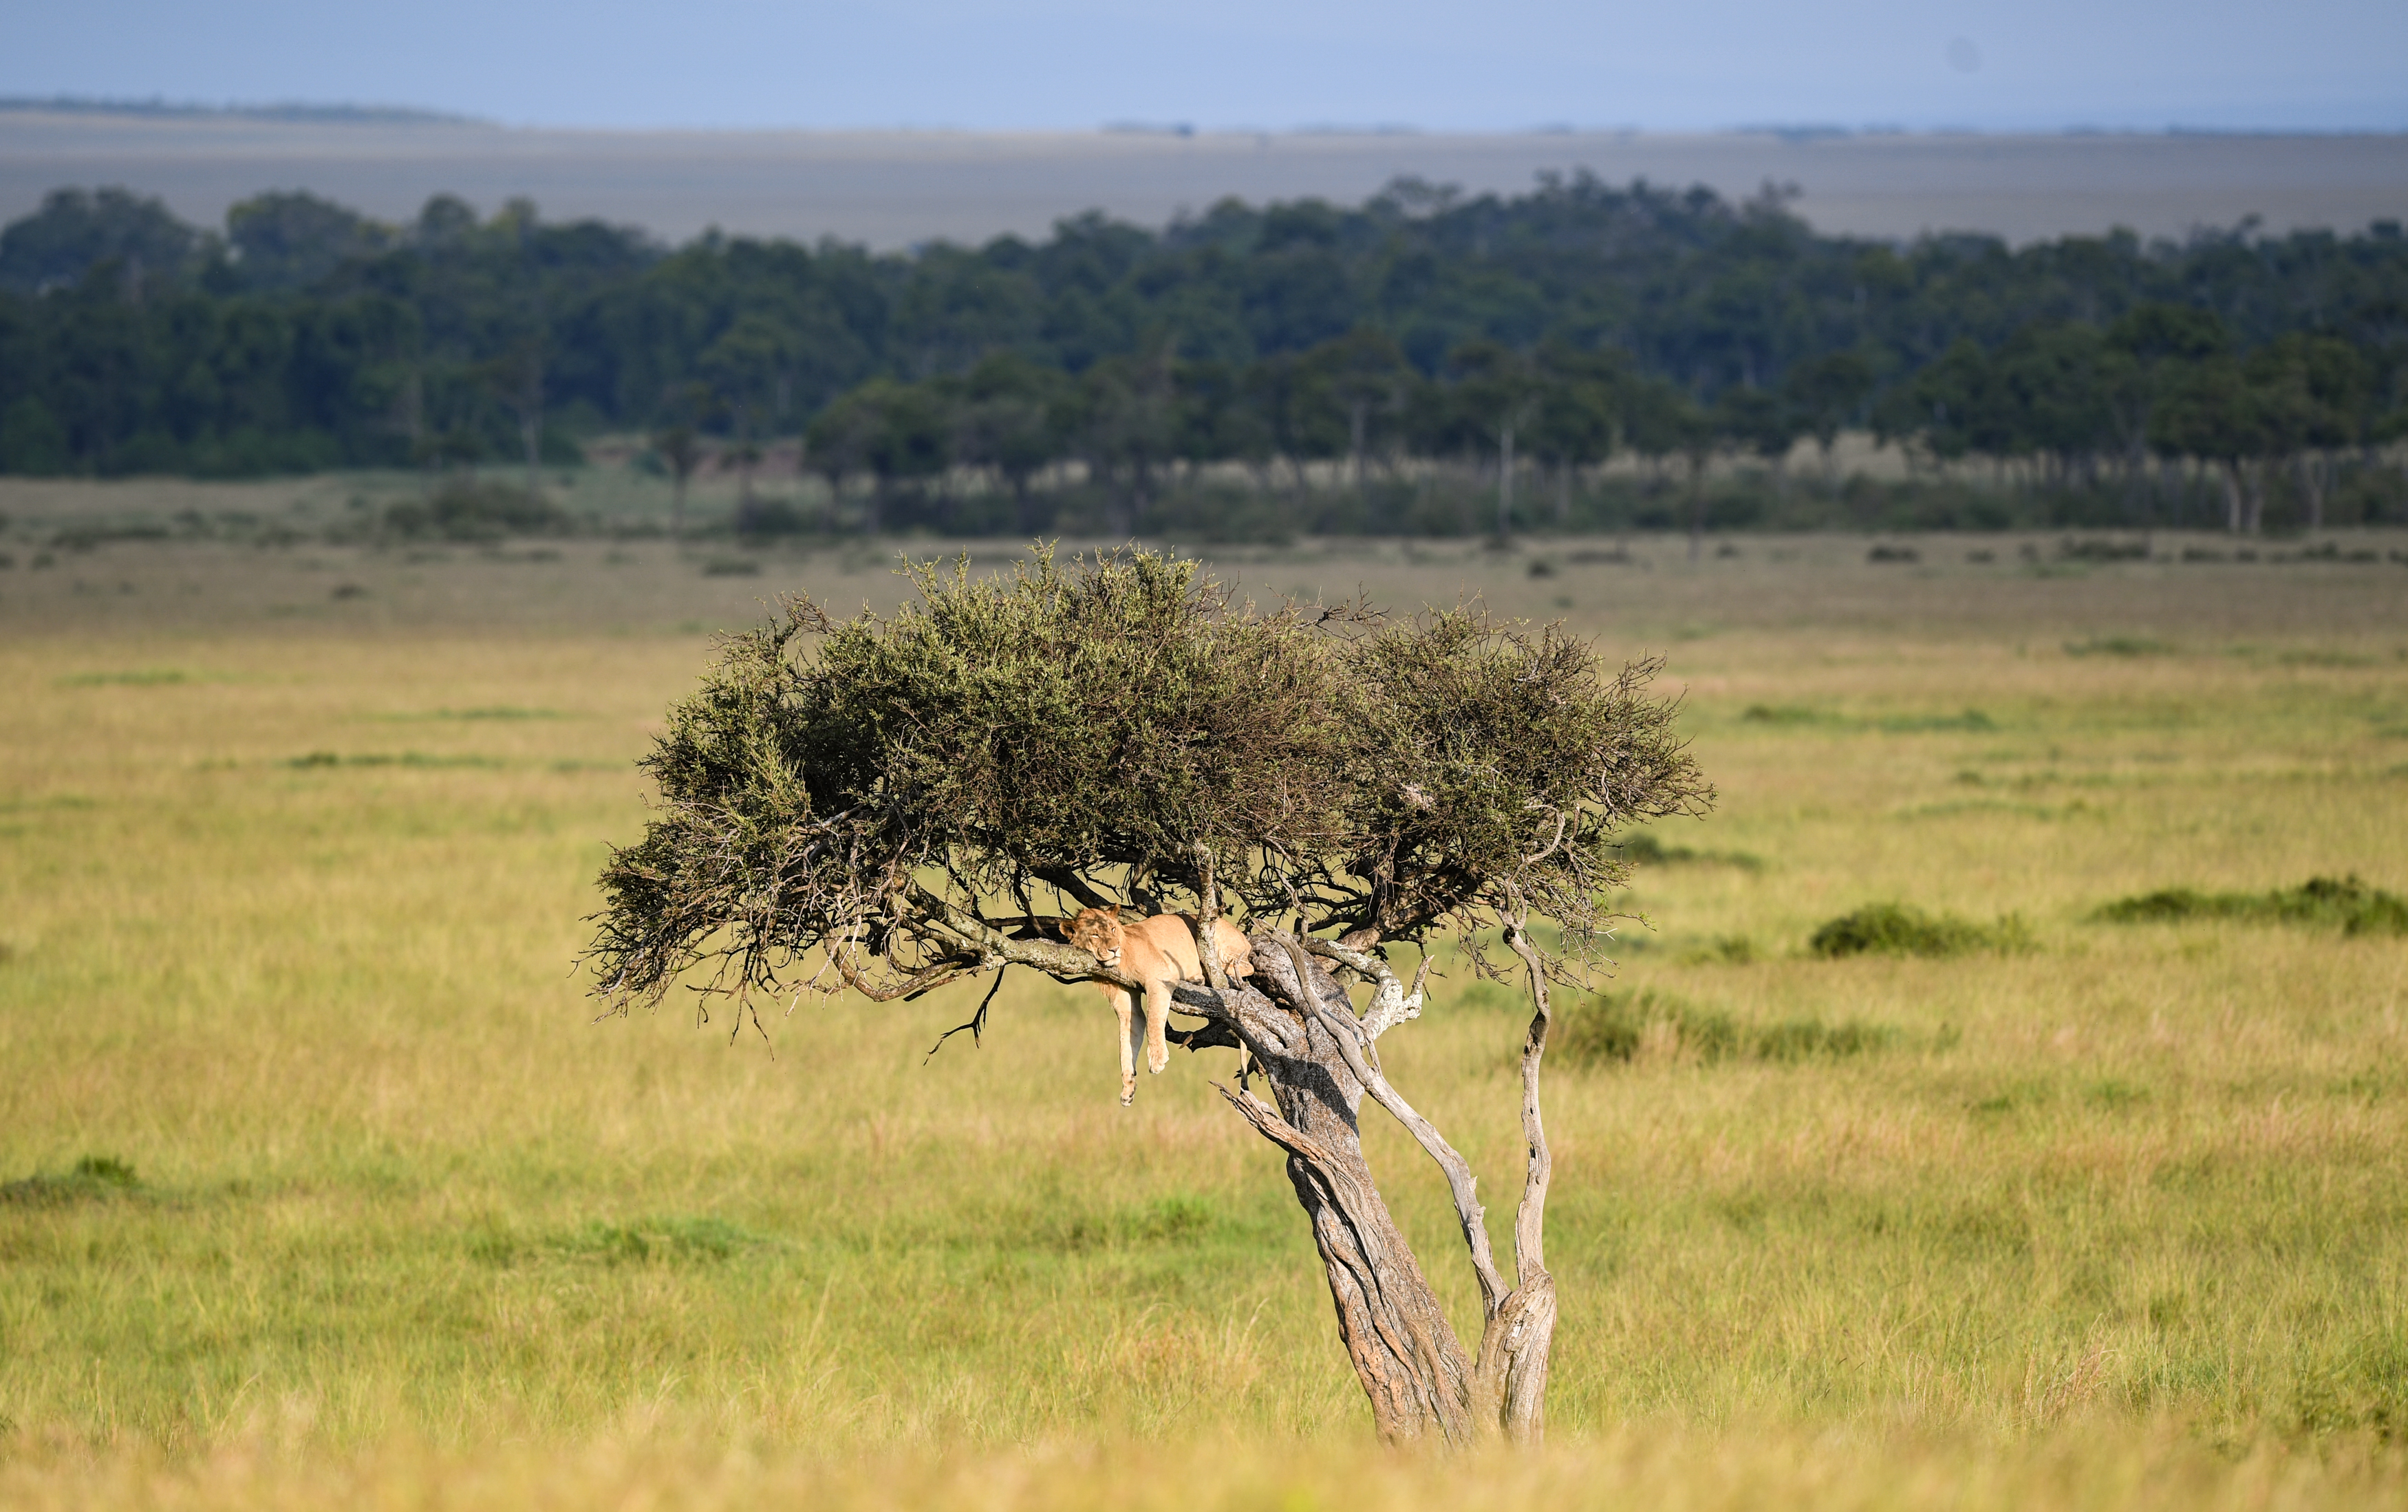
pixel 1499 65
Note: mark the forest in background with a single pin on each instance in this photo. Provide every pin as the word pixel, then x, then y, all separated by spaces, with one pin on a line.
pixel 1423 363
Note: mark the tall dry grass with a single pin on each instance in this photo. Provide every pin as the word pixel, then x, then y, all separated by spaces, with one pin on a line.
pixel 2119 1220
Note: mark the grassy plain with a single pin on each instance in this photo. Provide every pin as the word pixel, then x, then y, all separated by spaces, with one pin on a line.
pixel 290 880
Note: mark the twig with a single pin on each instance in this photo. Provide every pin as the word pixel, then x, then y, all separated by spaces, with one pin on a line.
pixel 977 1026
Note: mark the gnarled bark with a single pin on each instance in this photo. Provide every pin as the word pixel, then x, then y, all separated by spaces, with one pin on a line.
pixel 1321 1061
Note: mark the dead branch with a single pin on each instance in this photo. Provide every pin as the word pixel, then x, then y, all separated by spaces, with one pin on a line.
pixel 977 1025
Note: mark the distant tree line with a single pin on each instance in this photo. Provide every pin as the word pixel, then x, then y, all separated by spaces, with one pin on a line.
pixel 1514 342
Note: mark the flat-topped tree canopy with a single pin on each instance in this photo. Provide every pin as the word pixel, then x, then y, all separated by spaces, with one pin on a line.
pixel 843 804
pixel 1111 726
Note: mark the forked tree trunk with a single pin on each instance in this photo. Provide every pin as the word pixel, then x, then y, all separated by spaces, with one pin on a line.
pixel 1300 1031
pixel 1321 1061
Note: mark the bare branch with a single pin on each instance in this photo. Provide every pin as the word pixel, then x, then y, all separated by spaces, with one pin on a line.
pixel 1561 819
pixel 1072 882
pixel 1530 1222
pixel 1391 1004
pixel 1355 1047
pixel 977 1025
pixel 1063 963
pixel 1207 916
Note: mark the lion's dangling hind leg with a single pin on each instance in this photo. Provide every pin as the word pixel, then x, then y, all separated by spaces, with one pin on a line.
pixel 1133 1030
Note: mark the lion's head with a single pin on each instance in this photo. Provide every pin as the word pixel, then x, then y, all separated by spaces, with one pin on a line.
pixel 1098 931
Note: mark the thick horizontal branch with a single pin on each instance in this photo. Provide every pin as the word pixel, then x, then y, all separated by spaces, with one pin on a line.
pixel 1063 963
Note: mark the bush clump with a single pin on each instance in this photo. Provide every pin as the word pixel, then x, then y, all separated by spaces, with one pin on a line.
pixel 468 509
pixel 93 1176
pixel 1646 849
pixel 1611 1026
pixel 2346 903
pixel 662 1239
pixel 1900 929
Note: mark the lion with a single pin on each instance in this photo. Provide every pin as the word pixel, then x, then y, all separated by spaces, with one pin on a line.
pixel 1159 951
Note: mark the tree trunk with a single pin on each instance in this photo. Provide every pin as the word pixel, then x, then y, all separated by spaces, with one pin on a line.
pixel 1320 1061
pixel 1413 1367
pixel 1505 481
pixel 2232 497
pixel 1300 1029
pixel 1697 505
pixel 1355 416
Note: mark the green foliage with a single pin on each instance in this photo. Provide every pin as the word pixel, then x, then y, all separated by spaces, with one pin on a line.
pixel 74 232
pixel 1902 929
pixel 1113 722
pixel 2343 902
pixel 1584 318
pixel 31 440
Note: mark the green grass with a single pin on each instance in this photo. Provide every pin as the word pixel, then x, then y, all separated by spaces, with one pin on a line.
pixel 1620 1026
pixel 2113 1218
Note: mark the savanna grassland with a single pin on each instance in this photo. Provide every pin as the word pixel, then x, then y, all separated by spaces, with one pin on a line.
pixel 324 1187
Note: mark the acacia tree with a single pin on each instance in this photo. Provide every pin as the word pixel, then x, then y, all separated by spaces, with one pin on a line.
pixel 879 805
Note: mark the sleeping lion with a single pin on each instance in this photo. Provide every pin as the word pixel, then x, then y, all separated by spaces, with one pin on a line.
pixel 1159 951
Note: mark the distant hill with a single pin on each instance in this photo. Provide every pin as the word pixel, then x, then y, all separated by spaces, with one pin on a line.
pixel 70 105
pixel 898 189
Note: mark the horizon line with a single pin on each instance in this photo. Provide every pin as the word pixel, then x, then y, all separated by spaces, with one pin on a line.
pixel 345 112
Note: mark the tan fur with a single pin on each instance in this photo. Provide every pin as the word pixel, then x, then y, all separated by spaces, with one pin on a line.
pixel 1159 951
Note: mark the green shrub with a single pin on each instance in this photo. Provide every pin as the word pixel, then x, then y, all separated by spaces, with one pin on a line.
pixel 468 510
pixel 2102 551
pixel 1645 848
pixel 1973 721
pixel 1800 1039
pixel 662 1239
pixel 1611 1026
pixel 2117 646
pixel 93 1176
pixel 1899 929
pixel 2346 903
